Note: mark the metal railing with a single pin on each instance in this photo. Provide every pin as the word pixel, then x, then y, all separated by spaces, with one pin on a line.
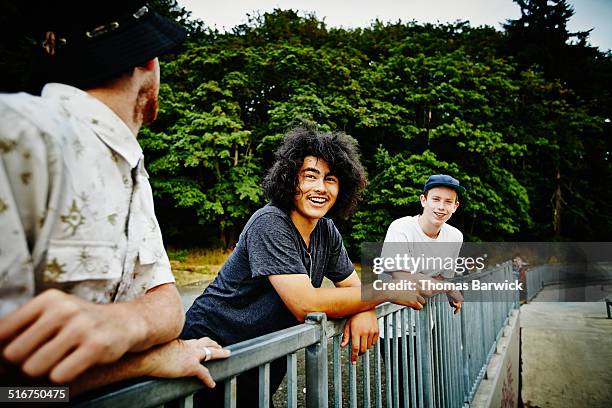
pixel 577 274
pixel 442 359
pixel 539 276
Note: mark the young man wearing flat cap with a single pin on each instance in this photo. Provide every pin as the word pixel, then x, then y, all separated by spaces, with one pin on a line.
pixel 428 236
pixel 84 276
pixel 429 232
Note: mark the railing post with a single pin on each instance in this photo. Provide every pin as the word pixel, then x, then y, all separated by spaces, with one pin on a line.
pixel 337 367
pixel 229 398
pixel 316 365
pixel 264 385
pixel 465 352
pixel 426 357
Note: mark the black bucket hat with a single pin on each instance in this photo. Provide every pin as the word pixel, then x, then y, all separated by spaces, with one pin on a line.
pixel 84 43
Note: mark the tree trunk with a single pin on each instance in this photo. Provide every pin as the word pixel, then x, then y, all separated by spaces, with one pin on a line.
pixel 222 237
pixel 557 201
pixel 227 237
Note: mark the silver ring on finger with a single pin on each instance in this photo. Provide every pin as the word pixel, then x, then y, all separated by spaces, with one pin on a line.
pixel 207 354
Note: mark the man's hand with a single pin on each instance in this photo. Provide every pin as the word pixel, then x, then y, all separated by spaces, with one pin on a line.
pixel 177 358
pixel 418 279
pixel 409 298
pixel 62 335
pixel 183 358
pixel 455 299
pixel 414 299
pixel 362 330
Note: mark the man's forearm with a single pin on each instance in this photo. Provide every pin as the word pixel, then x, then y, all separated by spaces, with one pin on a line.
pixel 175 359
pixel 131 365
pixel 302 298
pixel 346 301
pixel 157 317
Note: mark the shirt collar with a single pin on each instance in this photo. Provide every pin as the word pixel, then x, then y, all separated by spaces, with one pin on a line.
pixel 104 122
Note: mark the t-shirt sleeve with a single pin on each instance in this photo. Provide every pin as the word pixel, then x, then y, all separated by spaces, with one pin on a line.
pixel 460 243
pixel 340 266
pixel 453 248
pixel 272 247
pixel 394 233
pixel 396 244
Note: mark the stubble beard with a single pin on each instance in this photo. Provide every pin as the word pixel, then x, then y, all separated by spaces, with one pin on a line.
pixel 146 107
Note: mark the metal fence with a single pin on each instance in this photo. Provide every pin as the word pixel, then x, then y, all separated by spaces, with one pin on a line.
pixel 577 274
pixel 440 359
pixel 539 276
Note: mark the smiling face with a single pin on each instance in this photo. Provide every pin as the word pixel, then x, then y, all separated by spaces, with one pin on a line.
pixel 438 206
pixel 316 193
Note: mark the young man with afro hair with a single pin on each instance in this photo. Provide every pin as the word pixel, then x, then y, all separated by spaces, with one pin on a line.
pixel 273 278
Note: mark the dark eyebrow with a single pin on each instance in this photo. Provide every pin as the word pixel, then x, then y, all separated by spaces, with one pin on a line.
pixel 441 198
pixel 312 169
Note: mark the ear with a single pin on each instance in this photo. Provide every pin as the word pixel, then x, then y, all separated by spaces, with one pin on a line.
pixel 422 199
pixel 149 65
pixel 456 206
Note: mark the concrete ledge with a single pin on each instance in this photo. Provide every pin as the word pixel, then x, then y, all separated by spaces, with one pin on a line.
pixel 500 385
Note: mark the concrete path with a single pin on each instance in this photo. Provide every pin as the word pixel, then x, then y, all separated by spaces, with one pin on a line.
pixel 566 352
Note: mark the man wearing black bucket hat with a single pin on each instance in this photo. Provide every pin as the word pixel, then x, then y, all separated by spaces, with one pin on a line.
pixel 84 276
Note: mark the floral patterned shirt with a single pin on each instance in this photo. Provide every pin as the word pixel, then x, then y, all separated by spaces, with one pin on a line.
pixel 76 207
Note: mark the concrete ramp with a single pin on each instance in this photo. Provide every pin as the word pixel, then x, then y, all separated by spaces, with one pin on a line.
pixel 566 352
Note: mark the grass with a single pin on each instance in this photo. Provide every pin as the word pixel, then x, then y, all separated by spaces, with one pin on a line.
pixel 191 266
pixel 195 265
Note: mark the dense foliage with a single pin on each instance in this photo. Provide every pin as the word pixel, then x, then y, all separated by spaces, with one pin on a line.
pixel 513 117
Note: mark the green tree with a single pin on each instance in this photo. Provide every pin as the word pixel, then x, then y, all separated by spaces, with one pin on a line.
pixel 565 119
pixel 203 157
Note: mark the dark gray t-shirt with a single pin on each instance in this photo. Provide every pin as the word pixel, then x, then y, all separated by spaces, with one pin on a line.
pixel 241 303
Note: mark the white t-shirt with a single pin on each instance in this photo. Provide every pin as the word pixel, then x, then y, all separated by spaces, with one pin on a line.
pixel 407 229
pixel 405 236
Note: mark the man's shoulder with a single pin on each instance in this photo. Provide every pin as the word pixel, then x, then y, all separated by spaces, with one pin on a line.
pixel 8 98
pixel 452 234
pixel 22 103
pixel 403 223
pixel 328 226
pixel 403 229
pixel 19 110
pixel 327 223
pixel 269 211
pixel 267 217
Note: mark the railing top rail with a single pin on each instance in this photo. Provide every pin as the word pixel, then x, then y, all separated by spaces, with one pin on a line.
pixel 336 326
pixel 245 355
